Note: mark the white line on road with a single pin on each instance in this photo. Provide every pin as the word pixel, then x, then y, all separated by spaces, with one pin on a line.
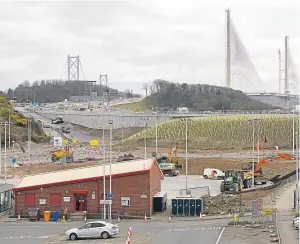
pixel 219 238
pixel 148 239
pixel 93 241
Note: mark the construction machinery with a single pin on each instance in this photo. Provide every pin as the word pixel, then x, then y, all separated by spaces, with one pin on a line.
pixel 258 173
pixel 58 120
pixel 169 164
pixel 65 153
pixel 235 180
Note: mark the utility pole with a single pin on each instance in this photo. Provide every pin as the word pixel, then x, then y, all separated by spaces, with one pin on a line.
pixel 29 136
pixel 9 130
pixel 156 132
pixel 110 159
pixel 5 157
pixel 104 173
pixel 1 148
pixel 228 52
pixel 186 155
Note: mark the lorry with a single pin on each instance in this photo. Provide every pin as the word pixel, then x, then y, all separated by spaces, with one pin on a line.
pixel 58 120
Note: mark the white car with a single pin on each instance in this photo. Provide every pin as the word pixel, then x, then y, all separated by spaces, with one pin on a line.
pixel 296 222
pixel 95 229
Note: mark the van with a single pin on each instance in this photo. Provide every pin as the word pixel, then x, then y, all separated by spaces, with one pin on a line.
pixel 218 174
pixel 182 110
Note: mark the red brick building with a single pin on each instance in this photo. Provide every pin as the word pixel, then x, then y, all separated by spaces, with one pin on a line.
pixel 134 183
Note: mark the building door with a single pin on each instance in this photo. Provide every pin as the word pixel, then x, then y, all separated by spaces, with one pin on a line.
pixel 80 202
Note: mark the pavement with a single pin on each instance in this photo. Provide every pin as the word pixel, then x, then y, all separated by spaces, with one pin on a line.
pixel 209 232
pixel 285 205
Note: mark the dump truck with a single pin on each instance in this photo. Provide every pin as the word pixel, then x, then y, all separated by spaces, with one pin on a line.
pixel 58 154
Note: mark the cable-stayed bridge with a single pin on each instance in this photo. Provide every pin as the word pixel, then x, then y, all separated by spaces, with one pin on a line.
pixel 242 75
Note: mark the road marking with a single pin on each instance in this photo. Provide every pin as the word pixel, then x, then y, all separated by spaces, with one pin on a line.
pixel 194 229
pixel 148 239
pixel 93 241
pixel 219 238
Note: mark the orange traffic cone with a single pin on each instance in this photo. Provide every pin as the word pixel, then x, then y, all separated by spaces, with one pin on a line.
pixel 169 218
pixel 130 230
pixel 19 218
pixel 145 219
pixel 201 216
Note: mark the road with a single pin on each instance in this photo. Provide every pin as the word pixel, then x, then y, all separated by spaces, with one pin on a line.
pixel 152 232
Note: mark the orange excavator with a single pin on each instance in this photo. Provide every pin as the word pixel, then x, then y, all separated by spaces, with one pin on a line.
pixel 258 174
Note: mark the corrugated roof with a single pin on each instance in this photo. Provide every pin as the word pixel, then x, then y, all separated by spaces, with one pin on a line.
pixel 86 173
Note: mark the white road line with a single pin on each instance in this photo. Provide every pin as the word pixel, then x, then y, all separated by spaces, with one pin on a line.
pixel 219 238
pixel 93 241
pixel 148 239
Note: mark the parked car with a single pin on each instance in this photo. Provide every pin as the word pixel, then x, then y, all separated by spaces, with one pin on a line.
pixel 65 129
pixel 296 222
pixel 46 125
pixel 218 174
pixel 94 229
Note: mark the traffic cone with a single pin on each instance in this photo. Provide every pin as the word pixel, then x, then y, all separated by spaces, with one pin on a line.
pixel 130 230
pixel 19 218
pixel 128 239
pixel 201 216
pixel 169 218
pixel 145 219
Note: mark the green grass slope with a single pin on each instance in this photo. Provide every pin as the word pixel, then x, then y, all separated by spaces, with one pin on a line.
pixel 221 132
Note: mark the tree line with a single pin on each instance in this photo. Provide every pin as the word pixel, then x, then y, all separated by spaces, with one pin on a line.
pixel 200 97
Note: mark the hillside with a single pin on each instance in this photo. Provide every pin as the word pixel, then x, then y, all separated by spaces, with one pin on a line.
pixel 219 133
pixel 19 125
pixel 198 97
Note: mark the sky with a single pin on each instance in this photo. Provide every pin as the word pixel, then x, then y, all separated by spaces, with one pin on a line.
pixel 134 42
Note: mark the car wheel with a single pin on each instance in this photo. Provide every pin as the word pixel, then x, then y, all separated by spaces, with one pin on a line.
pixel 104 235
pixel 73 237
pixel 205 177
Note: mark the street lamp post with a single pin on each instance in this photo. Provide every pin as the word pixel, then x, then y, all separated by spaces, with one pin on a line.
pixel 5 123
pixel 186 156
pixel 156 132
pixel 110 159
pixel 104 173
pixel 253 149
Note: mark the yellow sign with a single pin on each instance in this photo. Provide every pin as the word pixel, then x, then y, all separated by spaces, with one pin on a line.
pixel 94 143
pixel 236 217
pixel 66 141
pixel 268 210
pixel 74 140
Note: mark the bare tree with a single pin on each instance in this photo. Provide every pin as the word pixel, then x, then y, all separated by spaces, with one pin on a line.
pixel 145 88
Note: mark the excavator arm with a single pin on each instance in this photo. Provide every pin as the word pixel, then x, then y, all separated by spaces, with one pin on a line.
pixel 268 159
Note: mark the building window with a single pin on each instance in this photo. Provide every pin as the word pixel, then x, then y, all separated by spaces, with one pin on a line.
pixel 29 198
pixel 55 199
pixel 125 201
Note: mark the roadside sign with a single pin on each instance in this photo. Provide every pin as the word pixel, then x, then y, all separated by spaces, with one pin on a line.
pixel 94 143
pixel 14 160
pixel 66 141
pixel 267 210
pixel 110 196
pixel 105 201
pixel 57 141
pixel 70 143
pixel 74 140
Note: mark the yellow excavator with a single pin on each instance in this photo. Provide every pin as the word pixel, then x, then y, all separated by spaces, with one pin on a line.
pixel 170 165
pixel 66 152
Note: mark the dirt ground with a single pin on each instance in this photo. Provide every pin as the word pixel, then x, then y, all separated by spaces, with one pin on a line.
pixel 197 166
pixel 22 171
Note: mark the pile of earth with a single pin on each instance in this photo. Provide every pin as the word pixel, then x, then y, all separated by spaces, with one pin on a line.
pixel 223 203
